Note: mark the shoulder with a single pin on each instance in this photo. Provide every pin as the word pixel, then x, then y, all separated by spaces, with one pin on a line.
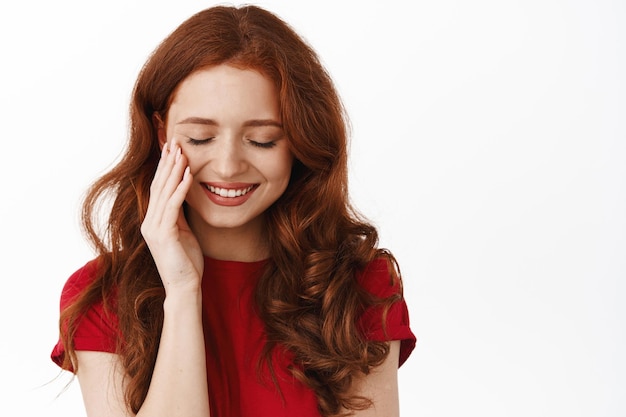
pixel 79 281
pixel 387 317
pixel 380 277
pixel 93 328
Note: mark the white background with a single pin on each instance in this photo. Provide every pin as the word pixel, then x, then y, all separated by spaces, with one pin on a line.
pixel 489 146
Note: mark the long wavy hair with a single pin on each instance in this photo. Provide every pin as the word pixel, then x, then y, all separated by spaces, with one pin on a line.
pixel 307 297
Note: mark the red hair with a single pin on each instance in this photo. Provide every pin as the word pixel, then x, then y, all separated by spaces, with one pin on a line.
pixel 308 297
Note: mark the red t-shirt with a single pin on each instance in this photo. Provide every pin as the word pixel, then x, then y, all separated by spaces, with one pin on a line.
pixel 234 337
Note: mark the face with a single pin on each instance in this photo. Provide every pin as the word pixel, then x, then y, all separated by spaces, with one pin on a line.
pixel 227 122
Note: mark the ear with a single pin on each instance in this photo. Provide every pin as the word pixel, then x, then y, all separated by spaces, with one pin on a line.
pixel 159 126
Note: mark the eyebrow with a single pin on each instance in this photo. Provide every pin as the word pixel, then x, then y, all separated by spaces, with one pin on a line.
pixel 211 122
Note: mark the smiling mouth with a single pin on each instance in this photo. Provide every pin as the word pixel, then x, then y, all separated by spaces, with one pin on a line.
pixel 229 192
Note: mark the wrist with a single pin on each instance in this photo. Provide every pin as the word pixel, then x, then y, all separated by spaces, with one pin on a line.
pixel 182 297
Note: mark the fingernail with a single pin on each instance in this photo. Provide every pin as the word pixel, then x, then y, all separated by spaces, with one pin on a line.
pixel 178 153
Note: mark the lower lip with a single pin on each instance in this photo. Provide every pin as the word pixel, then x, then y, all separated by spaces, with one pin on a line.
pixel 229 201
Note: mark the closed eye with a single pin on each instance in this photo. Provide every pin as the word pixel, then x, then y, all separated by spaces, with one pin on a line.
pixel 263 145
pixel 197 142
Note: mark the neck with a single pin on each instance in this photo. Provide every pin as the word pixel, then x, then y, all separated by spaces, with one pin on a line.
pixel 247 243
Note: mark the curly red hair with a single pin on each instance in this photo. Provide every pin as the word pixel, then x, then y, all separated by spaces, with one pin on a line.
pixel 308 297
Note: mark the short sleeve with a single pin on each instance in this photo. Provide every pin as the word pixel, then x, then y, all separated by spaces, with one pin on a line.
pixel 377 280
pixel 96 329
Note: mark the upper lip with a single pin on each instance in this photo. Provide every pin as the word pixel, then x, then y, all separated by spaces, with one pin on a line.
pixel 230 185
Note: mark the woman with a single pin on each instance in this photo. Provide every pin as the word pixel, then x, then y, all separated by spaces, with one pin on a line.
pixel 232 277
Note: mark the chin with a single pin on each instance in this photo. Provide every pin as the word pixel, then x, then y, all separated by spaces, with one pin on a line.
pixel 226 223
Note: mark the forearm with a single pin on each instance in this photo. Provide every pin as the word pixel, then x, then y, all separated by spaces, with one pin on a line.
pixel 179 381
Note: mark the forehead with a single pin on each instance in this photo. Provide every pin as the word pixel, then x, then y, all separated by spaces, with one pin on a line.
pixel 212 91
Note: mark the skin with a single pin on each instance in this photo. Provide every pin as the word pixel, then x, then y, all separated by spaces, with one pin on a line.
pixel 246 148
pixel 227 123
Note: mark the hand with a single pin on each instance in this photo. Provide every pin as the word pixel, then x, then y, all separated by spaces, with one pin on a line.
pixel 173 245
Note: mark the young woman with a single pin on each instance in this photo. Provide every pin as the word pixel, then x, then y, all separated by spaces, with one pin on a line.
pixel 233 278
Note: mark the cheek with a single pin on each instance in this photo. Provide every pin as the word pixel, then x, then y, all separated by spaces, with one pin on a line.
pixel 194 166
pixel 279 169
pixel 194 160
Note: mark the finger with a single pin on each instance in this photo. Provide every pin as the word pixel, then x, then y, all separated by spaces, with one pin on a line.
pixel 174 206
pixel 163 185
pixel 153 213
pixel 170 173
pixel 161 166
pixel 168 203
pixel 175 176
pixel 164 166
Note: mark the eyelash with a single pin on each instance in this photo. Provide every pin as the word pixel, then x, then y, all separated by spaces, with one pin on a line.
pixel 196 142
pixel 262 145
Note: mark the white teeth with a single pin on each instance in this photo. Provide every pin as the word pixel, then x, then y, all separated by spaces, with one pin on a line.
pixel 229 192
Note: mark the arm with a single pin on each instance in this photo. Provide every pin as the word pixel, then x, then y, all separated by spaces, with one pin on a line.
pixel 101 383
pixel 381 386
pixel 179 381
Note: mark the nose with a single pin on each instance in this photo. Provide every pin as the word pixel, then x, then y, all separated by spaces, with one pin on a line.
pixel 228 160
